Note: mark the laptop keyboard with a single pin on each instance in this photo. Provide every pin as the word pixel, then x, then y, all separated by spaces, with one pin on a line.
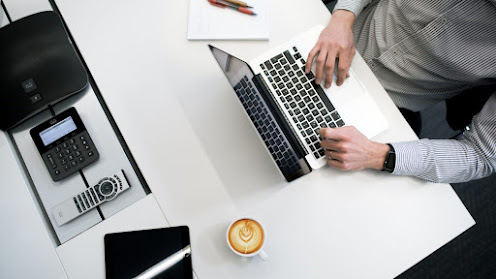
pixel 267 127
pixel 304 100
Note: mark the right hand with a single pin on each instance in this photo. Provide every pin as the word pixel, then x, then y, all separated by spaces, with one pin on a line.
pixel 335 42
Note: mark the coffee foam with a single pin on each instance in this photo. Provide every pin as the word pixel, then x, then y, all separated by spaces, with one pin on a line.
pixel 246 236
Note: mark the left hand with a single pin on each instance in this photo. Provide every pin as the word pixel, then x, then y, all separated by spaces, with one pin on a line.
pixel 348 149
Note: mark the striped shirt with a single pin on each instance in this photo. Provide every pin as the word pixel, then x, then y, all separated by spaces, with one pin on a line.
pixel 427 51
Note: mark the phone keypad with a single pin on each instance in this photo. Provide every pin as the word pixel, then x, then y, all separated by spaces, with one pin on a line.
pixel 70 156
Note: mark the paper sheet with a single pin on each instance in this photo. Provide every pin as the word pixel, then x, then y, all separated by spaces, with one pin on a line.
pixel 208 22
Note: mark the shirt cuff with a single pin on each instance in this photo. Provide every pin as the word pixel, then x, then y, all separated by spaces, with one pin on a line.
pixel 353 6
pixel 408 158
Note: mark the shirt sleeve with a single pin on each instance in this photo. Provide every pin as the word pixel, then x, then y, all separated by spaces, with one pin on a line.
pixel 354 6
pixel 448 161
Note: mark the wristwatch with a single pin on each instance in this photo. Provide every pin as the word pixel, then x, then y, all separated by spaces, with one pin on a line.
pixel 390 161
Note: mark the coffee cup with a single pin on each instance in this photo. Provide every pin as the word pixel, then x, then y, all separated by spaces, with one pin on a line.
pixel 246 237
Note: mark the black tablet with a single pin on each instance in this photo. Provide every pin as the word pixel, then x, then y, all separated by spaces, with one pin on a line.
pixel 128 254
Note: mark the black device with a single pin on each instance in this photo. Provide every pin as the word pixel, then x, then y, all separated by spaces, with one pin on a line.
pixel 38 67
pixel 390 161
pixel 64 144
pixel 128 254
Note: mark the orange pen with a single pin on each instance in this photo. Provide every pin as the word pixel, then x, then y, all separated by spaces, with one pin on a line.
pixel 224 4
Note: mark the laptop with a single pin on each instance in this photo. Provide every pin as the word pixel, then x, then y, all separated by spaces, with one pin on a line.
pixel 287 108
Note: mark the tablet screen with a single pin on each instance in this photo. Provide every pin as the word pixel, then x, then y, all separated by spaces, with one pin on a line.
pixel 128 254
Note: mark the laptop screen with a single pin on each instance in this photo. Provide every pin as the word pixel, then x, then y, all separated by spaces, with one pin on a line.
pixel 234 68
pixel 261 110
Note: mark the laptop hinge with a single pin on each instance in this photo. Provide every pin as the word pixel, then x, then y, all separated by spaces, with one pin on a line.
pixel 281 119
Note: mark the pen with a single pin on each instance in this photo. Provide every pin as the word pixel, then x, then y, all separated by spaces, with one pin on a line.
pixel 165 264
pixel 239 3
pixel 223 4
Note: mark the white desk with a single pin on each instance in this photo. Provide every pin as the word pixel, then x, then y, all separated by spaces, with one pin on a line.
pixel 205 165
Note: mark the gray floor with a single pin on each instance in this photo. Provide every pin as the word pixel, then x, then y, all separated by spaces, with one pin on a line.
pixel 473 253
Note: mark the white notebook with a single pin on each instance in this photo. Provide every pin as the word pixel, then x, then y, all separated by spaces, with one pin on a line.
pixel 208 22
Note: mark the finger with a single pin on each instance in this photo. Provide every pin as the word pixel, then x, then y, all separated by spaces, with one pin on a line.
pixel 319 66
pixel 333 145
pixel 336 164
pixel 329 70
pixel 343 69
pixel 334 155
pixel 311 56
pixel 348 74
pixel 338 133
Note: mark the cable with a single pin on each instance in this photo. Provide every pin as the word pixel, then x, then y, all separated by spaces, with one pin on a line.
pixel 5 11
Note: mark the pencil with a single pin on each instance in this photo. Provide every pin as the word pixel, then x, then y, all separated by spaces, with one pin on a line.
pixel 239 3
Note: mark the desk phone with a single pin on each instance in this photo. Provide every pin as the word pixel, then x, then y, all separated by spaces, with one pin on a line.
pixel 64 144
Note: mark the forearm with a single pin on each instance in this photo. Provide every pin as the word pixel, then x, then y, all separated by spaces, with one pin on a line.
pixel 445 161
pixel 472 157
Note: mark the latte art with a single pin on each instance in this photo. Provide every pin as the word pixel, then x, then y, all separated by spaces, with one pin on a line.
pixel 246 236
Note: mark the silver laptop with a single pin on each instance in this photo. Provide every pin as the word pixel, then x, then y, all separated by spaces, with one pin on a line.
pixel 287 108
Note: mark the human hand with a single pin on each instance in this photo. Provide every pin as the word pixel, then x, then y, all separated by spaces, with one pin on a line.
pixel 348 149
pixel 335 42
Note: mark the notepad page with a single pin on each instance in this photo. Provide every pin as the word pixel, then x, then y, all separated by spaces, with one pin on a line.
pixel 208 22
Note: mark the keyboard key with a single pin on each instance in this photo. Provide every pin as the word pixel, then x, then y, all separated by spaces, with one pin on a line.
pixel 276 58
pixel 289 57
pixel 335 115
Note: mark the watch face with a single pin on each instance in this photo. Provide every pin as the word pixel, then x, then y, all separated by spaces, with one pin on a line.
pixel 390 162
